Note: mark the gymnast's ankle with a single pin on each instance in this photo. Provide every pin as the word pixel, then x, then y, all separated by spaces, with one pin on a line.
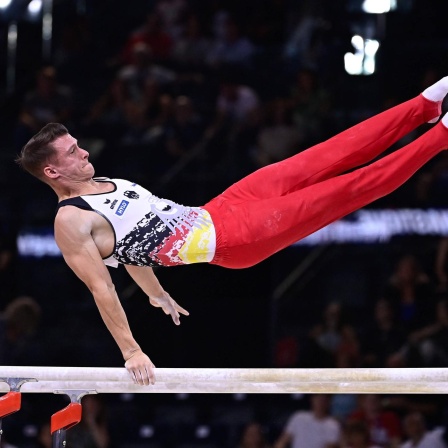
pixel 437 93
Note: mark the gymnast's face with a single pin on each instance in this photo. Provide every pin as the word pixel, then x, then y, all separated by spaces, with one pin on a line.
pixel 70 163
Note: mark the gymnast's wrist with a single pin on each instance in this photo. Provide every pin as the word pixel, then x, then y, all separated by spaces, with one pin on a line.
pixel 129 353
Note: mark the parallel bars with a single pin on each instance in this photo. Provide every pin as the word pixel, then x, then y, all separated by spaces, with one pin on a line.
pixel 117 380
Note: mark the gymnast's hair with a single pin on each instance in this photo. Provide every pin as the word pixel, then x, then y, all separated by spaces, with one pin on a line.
pixel 39 150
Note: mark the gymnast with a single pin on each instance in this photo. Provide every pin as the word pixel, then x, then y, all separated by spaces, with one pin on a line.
pixel 254 218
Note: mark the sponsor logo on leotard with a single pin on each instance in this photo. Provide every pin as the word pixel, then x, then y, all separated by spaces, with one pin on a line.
pixel 114 203
pixel 122 207
pixel 131 194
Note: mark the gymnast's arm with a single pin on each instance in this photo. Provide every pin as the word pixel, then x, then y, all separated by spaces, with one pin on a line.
pixel 73 237
pixel 145 278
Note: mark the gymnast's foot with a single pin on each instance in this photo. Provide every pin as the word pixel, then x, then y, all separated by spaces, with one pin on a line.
pixel 437 93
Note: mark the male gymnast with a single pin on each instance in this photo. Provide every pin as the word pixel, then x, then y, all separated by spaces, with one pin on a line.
pixel 261 214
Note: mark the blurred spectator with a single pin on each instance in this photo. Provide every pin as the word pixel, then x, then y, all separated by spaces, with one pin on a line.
pixel 7 259
pixel 356 435
pixel 253 436
pixel 44 439
pixel 232 48
pixel 48 102
pixel 146 118
pixel 278 138
pixel 418 436
pixel 219 16
pixel 153 34
pixel 235 127
pixel 139 130
pixel 311 107
pixel 18 324
pixel 171 13
pixel 311 429
pixel 286 351
pixel 92 431
pixel 184 130
pixel 411 293
pixel 191 48
pixel 106 118
pixel 432 183
pixel 431 342
pixel 73 50
pixel 384 425
pixel 441 267
pixel 334 341
pixel 385 339
pixel 236 102
pixel 342 405
pixel 157 106
pixel 141 70
pixel 305 46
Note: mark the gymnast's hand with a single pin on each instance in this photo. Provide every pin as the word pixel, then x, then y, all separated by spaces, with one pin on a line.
pixel 169 306
pixel 141 368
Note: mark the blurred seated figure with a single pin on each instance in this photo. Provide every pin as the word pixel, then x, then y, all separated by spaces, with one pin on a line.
pixel 7 260
pixel 142 69
pixel 145 121
pixel 311 429
pixel 441 266
pixel 305 42
pixel 311 107
pixel 411 293
pixel 430 343
pixel 235 103
pixel 334 341
pixel 384 340
pixel 43 437
pixel 92 431
pixel 18 324
pixel 432 184
pixel 253 436
pixel 171 13
pixel 234 127
pixel 191 48
pixel 106 118
pixel 356 435
pixel 153 34
pixel 75 48
pixel 184 129
pixel 132 111
pixel 157 105
pixel 231 48
pixel 418 436
pixel 279 138
pixel 48 102
pixel 383 425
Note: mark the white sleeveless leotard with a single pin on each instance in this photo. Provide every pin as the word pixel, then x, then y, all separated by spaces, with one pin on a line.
pixel 150 231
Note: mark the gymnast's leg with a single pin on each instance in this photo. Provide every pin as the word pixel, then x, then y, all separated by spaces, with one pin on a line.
pixel 351 148
pixel 253 230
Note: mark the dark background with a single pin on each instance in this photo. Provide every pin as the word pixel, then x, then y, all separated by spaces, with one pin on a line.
pixel 234 319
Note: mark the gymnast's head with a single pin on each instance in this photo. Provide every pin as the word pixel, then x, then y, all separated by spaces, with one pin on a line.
pixel 54 157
